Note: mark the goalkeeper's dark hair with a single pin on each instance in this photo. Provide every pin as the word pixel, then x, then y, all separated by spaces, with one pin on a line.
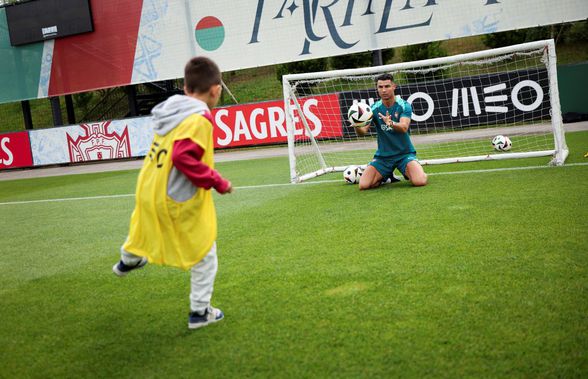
pixel 385 77
pixel 200 74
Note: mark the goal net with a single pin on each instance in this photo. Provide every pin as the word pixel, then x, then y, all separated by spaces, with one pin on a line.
pixel 459 104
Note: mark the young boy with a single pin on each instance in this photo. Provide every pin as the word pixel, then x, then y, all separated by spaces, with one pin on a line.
pixel 174 221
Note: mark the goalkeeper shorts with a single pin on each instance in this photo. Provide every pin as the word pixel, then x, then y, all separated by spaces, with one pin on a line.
pixel 386 166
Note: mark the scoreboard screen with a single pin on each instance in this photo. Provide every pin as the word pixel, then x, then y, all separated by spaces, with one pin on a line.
pixel 39 20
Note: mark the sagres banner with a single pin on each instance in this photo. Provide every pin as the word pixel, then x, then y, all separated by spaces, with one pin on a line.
pixel 136 41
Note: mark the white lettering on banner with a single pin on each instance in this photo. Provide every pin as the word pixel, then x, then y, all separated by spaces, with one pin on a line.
pixel 277 120
pixel 241 127
pixel 515 95
pixel 295 118
pixel 258 133
pixel 430 106
pixel 318 126
pixel 261 123
pixel 300 129
pixel 495 99
pixel 218 120
pixel 50 31
pixel 491 101
pixel 4 148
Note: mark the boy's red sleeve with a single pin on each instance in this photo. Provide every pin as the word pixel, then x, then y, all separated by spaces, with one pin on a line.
pixel 186 157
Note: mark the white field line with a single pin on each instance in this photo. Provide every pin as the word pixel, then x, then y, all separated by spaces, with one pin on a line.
pixel 300 184
pixel 68 199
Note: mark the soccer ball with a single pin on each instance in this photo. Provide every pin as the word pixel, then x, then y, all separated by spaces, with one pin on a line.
pixel 501 143
pixel 350 175
pixel 359 173
pixel 359 114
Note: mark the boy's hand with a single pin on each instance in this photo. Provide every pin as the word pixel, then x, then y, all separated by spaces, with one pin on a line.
pixel 224 186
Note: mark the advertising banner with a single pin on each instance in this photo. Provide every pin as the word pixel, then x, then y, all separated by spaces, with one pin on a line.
pixel 90 142
pixel 256 33
pixel 137 41
pixel 499 98
pixel 15 150
pixel 265 123
pixel 239 125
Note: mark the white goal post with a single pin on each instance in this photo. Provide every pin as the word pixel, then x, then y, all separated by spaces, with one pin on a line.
pixel 459 104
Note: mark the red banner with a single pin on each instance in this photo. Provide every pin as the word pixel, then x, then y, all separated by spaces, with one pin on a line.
pixel 103 58
pixel 265 123
pixel 15 150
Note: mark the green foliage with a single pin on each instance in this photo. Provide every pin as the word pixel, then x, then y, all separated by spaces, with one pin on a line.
pixel 539 33
pixel 251 85
pixel 421 52
pixel 501 39
pixel 310 65
pixel 358 60
pixel 563 33
pixel 315 280
pixel 84 101
pixel 388 55
pixel 578 32
pixel 351 61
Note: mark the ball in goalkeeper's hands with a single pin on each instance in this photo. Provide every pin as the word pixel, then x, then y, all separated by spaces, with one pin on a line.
pixel 360 114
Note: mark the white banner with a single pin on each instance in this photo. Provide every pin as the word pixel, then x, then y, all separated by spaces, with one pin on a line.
pixel 263 32
pixel 90 142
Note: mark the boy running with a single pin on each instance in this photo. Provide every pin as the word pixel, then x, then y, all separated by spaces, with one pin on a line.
pixel 174 221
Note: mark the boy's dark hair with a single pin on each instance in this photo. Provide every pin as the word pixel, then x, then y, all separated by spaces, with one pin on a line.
pixel 385 77
pixel 200 74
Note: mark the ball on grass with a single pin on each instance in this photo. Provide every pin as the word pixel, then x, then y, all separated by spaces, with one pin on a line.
pixel 501 143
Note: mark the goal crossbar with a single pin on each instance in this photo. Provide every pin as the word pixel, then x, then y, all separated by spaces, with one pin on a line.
pixel 427 62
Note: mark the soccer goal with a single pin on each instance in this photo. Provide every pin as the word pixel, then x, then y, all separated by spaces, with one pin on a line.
pixel 459 104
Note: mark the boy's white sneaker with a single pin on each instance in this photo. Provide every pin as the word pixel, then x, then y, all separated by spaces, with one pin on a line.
pixel 211 315
pixel 122 269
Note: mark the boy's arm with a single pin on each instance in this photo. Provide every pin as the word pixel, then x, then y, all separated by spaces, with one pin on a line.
pixel 187 158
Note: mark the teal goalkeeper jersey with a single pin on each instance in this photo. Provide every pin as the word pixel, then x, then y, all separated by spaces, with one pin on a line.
pixel 390 142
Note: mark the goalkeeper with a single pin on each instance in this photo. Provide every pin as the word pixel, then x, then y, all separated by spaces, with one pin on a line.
pixel 174 221
pixel 395 150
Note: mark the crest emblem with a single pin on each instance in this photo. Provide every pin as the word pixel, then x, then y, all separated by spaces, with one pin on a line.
pixel 98 144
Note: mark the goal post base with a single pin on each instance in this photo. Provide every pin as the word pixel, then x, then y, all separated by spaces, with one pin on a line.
pixel 430 162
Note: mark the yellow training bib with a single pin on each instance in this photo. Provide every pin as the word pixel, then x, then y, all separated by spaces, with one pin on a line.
pixel 165 231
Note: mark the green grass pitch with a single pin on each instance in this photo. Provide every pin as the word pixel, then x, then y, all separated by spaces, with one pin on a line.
pixel 482 274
